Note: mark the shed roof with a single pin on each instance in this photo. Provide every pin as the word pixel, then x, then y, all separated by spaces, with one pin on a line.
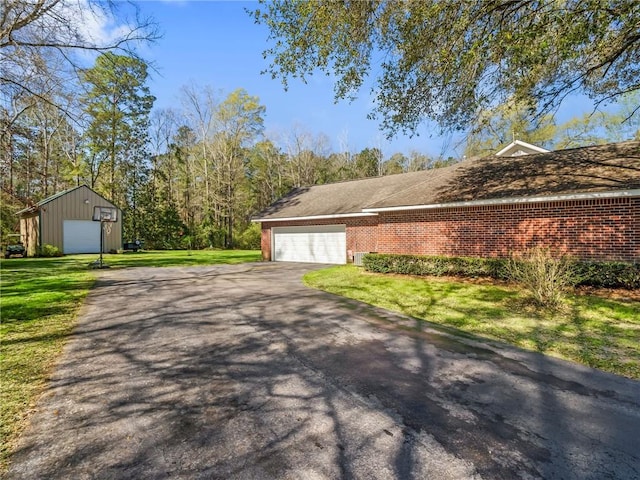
pixel 588 170
pixel 36 207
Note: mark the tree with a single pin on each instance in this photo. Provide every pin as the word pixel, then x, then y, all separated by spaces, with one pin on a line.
pixel 40 41
pixel 612 125
pixel 184 178
pixel 267 173
pixel 240 121
pixel 36 149
pixel 508 122
pixel 118 104
pixel 306 157
pixel 395 164
pixel 449 61
pixel 199 107
pixel 367 163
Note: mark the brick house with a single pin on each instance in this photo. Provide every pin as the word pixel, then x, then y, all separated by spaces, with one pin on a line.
pixel 583 201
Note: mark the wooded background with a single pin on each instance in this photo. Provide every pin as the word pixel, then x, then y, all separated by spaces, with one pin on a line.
pixel 192 176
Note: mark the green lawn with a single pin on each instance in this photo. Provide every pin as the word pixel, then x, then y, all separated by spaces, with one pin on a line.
pixel 598 332
pixel 39 300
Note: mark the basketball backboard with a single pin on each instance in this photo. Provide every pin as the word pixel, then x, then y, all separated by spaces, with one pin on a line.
pixel 105 214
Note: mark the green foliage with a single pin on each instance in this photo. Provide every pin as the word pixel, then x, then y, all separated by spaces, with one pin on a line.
pixel 368 163
pixel 544 274
pixel 613 125
pixel 49 251
pixel 9 222
pixel 595 274
pixel 609 274
pixel 249 239
pixel 435 265
pixel 118 104
pixel 448 60
pixel 497 127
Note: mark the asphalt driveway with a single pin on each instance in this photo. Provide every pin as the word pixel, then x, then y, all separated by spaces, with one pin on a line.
pixel 242 372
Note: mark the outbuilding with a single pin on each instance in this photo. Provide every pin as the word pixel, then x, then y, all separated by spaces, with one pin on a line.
pixel 584 202
pixel 65 220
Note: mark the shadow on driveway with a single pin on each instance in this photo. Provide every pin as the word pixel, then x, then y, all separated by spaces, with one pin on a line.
pixel 239 371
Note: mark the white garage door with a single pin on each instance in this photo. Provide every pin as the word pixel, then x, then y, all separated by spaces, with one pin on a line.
pixel 317 244
pixel 81 236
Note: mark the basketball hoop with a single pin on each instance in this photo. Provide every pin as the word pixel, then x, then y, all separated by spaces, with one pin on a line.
pixel 107 216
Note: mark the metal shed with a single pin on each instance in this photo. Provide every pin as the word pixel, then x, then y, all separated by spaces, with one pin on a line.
pixel 64 220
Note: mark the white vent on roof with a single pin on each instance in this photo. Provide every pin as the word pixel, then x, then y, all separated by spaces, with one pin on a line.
pixel 518 148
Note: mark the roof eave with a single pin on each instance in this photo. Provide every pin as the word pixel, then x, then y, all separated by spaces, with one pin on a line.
pixel 32 209
pixel 315 217
pixel 510 201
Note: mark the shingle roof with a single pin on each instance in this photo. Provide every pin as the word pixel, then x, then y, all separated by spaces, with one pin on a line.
pixel 596 169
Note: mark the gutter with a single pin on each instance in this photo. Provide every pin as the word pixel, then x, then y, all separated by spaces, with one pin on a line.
pixel 316 217
pixel 510 201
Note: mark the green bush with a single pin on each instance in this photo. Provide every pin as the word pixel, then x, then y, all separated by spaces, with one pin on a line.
pixel 609 274
pixel 249 239
pixel 596 274
pixel 48 251
pixel 435 265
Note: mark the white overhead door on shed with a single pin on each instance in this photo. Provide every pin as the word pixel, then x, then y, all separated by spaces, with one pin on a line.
pixel 313 244
pixel 81 236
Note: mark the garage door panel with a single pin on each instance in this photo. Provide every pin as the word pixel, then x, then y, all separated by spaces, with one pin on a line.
pixel 81 236
pixel 316 244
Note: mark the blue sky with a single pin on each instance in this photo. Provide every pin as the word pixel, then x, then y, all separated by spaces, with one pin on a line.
pixel 217 44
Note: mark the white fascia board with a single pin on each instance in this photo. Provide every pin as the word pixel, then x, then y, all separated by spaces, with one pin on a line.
pixel 510 201
pixel 315 217
pixel 520 143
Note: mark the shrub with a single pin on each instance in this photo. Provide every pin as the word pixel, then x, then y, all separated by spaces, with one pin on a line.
pixel 47 250
pixel 435 265
pixel 609 274
pixel 249 239
pixel 595 274
pixel 544 274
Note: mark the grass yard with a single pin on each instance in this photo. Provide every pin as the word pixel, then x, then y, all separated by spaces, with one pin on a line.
pixel 40 298
pixel 599 332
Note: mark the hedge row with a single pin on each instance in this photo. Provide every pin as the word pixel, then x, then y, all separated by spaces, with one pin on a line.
pixel 608 274
pixel 596 274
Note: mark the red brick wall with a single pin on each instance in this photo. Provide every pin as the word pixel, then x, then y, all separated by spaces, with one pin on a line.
pixel 362 234
pixel 603 229
pixel 265 242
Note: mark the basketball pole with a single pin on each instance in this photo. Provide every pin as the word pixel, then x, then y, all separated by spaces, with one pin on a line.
pixel 101 240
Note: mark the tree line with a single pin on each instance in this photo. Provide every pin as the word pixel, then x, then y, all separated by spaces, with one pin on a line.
pixel 188 177
pixel 194 175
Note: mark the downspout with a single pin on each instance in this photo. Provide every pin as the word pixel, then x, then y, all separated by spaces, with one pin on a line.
pixel 272 252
